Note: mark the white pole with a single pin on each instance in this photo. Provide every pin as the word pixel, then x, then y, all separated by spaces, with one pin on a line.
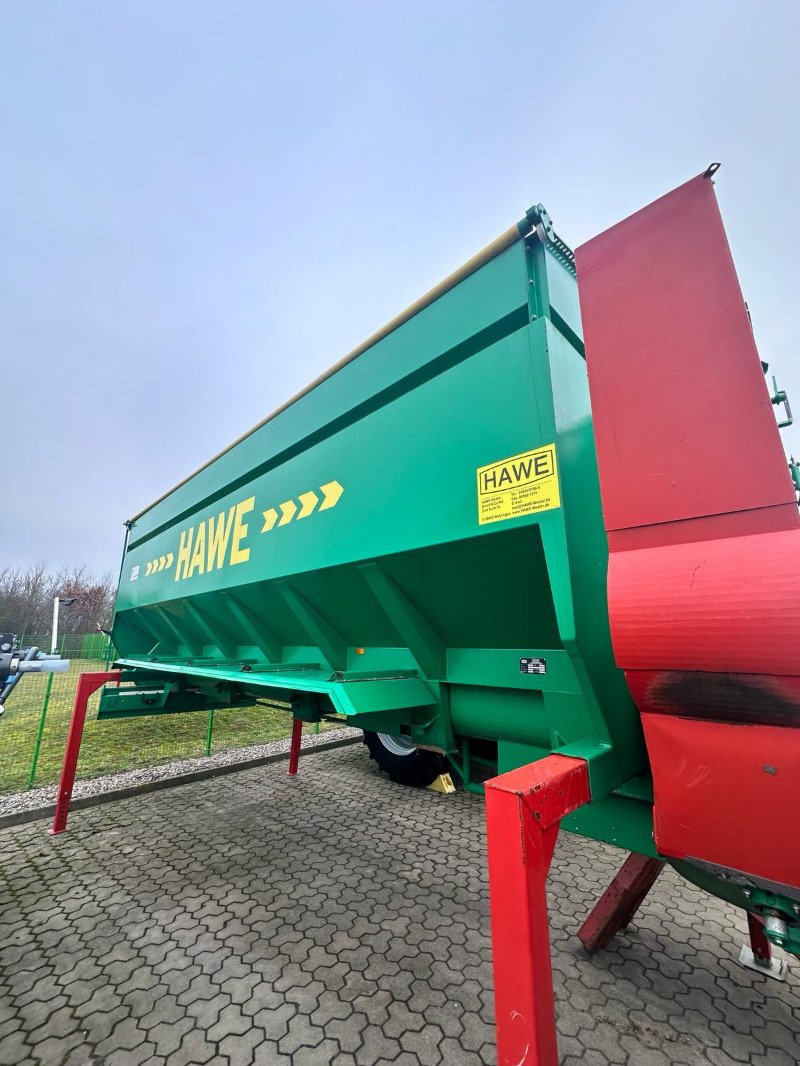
pixel 54 641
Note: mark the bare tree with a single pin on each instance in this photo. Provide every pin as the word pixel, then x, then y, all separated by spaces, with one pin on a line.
pixel 26 599
pixel 94 598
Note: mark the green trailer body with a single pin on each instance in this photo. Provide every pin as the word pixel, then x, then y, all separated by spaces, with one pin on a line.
pixel 415 544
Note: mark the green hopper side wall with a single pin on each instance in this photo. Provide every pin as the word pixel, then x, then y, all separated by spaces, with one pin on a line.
pixel 392 604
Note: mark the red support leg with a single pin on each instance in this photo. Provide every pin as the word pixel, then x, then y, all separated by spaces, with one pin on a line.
pixel 87 684
pixel 523 811
pixel 758 956
pixel 620 901
pixel 294 749
pixel 759 945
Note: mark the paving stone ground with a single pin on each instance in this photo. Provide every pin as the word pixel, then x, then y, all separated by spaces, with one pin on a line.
pixel 340 919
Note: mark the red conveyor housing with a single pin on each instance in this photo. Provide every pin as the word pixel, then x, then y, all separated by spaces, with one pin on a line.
pixel 704 535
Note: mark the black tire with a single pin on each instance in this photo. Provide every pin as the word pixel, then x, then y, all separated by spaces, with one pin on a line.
pixel 415 766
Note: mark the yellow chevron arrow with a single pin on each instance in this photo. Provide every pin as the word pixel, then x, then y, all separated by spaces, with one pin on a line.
pixel 270 518
pixel 288 509
pixel 149 568
pixel 309 500
pixel 170 557
pixel 331 492
pixel 162 562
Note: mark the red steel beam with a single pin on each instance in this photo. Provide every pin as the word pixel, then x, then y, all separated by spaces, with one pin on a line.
pixel 761 947
pixel 523 811
pixel 87 684
pixel 294 748
pixel 620 901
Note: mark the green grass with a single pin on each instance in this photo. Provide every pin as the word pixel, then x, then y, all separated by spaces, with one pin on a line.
pixel 122 744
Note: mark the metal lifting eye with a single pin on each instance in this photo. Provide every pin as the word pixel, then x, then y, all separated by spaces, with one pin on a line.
pixel 711 170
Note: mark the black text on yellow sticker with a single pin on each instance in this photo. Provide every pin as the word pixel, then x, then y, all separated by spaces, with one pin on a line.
pixel 523 484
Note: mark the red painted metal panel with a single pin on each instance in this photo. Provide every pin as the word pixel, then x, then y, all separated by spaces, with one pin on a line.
pixel 682 415
pixel 754 699
pixel 704 534
pixel 728 605
pixel 727 794
pixel 523 809
pixel 709 527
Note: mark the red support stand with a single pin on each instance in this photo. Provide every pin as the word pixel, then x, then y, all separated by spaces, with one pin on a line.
pixel 758 956
pixel 87 684
pixel 620 901
pixel 294 749
pixel 759 945
pixel 523 811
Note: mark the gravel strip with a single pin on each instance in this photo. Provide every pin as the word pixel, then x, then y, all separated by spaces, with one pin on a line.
pixel 17 803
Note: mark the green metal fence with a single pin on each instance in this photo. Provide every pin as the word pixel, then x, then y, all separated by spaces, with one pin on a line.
pixel 34 728
pixel 94 646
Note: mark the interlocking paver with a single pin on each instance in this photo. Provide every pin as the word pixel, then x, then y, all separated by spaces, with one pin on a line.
pixel 13 1049
pixel 341 919
pixel 194 1048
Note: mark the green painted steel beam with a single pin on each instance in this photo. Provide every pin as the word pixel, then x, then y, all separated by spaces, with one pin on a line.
pixel 358 696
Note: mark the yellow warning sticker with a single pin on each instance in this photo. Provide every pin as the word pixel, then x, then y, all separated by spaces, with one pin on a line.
pixel 523 484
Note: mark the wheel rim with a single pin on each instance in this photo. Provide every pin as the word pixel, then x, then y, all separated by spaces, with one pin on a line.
pixel 397 745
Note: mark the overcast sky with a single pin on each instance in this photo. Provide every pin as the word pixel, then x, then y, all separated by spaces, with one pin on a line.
pixel 204 204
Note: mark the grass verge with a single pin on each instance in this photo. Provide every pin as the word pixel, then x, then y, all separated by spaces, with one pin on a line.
pixel 122 744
